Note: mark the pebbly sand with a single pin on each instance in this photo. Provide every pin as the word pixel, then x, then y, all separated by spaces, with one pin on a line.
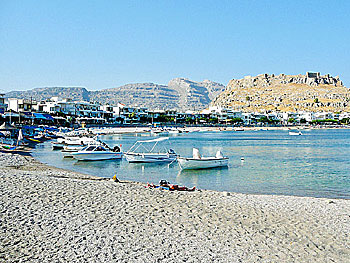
pixel 52 215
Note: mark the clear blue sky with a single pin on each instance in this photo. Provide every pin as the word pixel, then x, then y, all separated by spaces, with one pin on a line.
pixel 103 44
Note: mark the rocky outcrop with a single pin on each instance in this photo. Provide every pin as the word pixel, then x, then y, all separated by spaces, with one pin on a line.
pixel 269 92
pixel 180 94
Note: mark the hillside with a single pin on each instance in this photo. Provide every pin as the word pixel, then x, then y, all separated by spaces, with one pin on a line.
pixel 148 95
pixel 38 94
pixel 180 93
pixel 265 92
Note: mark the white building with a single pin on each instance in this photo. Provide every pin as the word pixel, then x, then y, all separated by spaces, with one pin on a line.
pixel 20 105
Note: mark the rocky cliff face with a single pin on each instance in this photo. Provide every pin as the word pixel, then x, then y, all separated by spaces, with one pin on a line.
pixel 195 95
pixel 181 94
pixel 309 92
pixel 39 94
pixel 149 95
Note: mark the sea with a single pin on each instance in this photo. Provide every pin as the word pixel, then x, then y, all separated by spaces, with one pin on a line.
pixel 315 164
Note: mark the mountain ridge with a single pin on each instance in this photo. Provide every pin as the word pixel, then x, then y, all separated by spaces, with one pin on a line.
pixel 180 94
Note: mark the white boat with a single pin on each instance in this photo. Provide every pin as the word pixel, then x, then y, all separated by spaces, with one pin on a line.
pixel 97 152
pixel 57 145
pixel 150 151
pixel 295 133
pixel 68 150
pixel 79 140
pixel 199 162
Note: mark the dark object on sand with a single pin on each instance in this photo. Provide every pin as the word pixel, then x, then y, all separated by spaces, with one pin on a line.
pixel 163 184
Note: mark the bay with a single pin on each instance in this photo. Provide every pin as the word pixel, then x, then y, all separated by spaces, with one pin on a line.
pixel 315 164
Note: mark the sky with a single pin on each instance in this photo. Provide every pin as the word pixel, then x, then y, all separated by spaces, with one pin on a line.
pixel 104 44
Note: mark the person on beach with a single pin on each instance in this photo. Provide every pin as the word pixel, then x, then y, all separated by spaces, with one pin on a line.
pixel 115 178
pixel 172 187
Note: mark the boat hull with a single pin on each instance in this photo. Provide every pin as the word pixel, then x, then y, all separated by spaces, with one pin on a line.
pixel 96 156
pixel 57 146
pixel 204 163
pixel 150 158
pixel 295 133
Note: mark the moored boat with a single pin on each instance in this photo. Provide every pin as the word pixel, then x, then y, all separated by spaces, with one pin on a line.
pixel 97 152
pixel 295 133
pixel 199 162
pixel 149 153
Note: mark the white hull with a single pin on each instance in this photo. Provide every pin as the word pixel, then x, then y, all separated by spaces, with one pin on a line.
pixel 150 157
pixel 71 148
pixel 203 163
pixel 95 156
pixel 295 133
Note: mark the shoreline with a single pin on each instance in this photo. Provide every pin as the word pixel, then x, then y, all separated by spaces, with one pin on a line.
pixel 83 176
pixel 52 214
pixel 145 129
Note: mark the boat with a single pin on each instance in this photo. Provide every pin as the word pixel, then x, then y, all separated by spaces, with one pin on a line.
pixel 61 143
pixel 97 152
pixel 68 150
pixel 9 146
pixel 57 145
pixel 14 149
pixel 151 151
pixel 295 133
pixel 199 162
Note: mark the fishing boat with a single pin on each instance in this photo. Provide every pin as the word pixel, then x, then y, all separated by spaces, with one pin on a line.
pixel 295 133
pixel 97 152
pixel 14 149
pixel 9 146
pixel 199 162
pixel 150 151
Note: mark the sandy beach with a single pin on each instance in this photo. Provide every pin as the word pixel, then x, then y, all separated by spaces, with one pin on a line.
pixel 52 215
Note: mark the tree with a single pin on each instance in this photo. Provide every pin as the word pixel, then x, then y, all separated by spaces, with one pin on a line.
pixel 345 120
pixel 213 120
pixel 236 120
pixel 263 119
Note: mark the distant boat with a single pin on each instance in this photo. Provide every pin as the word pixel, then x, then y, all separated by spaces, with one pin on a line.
pixel 148 152
pixel 295 133
pixel 97 152
pixel 198 162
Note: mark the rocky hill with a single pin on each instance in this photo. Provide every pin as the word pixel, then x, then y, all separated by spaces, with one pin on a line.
pixel 180 93
pixel 267 92
pixel 39 94
pixel 149 95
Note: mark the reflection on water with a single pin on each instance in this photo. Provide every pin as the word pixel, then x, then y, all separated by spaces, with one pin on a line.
pixel 315 164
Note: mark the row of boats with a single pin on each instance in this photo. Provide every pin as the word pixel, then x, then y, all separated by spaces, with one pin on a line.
pixel 144 151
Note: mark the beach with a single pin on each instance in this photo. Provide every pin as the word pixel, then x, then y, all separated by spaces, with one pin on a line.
pixel 53 215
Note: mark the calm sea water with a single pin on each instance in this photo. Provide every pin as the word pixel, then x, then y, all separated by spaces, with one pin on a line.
pixel 315 164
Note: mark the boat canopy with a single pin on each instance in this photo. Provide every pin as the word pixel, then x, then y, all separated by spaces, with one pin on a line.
pixel 149 148
pixel 155 140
